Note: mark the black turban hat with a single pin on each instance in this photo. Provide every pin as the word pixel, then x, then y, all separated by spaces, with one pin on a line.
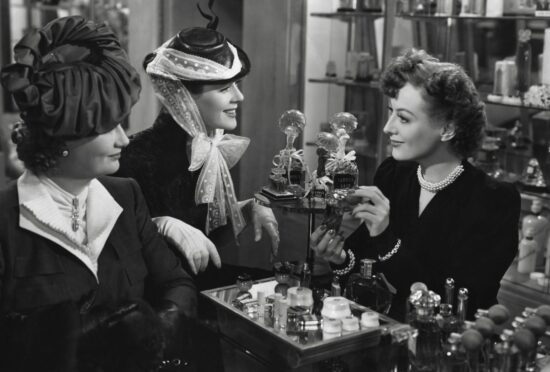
pixel 72 79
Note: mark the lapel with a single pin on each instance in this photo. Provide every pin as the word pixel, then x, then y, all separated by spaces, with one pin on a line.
pixel 39 214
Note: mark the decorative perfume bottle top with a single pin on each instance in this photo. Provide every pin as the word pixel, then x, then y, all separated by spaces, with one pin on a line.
pixel 292 123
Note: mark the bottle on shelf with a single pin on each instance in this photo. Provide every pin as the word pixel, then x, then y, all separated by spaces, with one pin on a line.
pixel 523 61
pixel 539 224
pixel 527 253
pixel 370 290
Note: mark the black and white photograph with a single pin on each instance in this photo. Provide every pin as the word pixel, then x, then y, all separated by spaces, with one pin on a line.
pixel 274 185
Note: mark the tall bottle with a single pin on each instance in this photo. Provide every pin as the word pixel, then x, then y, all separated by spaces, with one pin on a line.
pixel 369 290
pixel 462 307
pixel 523 60
pixel 449 292
pixel 424 352
pixel 447 322
pixel 527 254
pixel 539 224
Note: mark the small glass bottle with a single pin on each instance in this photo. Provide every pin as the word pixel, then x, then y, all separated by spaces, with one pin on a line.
pixel 447 321
pixel 335 289
pixel 505 354
pixel 453 358
pixel 417 288
pixel 369 290
pixel 282 279
pixel 305 275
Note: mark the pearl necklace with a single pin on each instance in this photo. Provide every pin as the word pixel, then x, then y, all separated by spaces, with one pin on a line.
pixel 438 186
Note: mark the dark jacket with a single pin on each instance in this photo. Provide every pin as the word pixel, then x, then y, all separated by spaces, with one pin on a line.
pixel 157 159
pixel 468 231
pixel 36 273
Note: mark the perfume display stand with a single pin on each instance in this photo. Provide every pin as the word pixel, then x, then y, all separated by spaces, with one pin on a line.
pixel 304 205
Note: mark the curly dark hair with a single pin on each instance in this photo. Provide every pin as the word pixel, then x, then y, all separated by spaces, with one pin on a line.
pixel 37 150
pixel 449 92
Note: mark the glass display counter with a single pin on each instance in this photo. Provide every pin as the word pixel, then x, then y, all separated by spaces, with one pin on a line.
pixel 274 349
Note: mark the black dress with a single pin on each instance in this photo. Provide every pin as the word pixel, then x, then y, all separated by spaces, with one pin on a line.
pixel 157 159
pixel 468 231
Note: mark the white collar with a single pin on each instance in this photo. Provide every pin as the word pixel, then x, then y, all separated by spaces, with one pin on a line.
pixel 38 213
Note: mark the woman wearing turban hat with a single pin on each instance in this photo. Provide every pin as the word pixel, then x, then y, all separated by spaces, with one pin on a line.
pixel 182 162
pixel 77 248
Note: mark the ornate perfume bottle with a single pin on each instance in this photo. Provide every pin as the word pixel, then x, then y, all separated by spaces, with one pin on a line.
pixel 341 167
pixel 289 163
pixel 321 184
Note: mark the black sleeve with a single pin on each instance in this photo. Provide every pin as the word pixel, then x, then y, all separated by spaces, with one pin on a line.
pixel 360 242
pixel 170 281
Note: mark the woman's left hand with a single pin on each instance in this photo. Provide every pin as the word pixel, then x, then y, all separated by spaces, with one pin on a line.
pixel 264 217
pixel 374 209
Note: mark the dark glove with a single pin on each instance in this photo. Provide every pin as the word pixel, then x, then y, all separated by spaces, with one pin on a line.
pixel 128 338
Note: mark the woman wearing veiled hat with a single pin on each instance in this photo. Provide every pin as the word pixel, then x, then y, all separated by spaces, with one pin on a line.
pixel 182 162
pixel 81 262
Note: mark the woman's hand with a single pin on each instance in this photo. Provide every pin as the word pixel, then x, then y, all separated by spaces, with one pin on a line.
pixel 264 217
pixel 374 209
pixel 191 242
pixel 328 245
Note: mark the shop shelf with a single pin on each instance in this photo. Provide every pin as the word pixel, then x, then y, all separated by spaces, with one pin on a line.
pixel 373 84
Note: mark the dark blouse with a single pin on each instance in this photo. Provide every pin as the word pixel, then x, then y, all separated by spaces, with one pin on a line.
pixel 157 159
pixel 468 231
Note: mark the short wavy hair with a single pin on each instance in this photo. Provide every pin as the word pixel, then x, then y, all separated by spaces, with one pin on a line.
pixel 37 150
pixel 449 92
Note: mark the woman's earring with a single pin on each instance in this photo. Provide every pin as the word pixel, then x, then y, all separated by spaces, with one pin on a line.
pixel 65 153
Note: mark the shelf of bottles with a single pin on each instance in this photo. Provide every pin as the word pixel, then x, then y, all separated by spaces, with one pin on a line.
pixel 443 17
